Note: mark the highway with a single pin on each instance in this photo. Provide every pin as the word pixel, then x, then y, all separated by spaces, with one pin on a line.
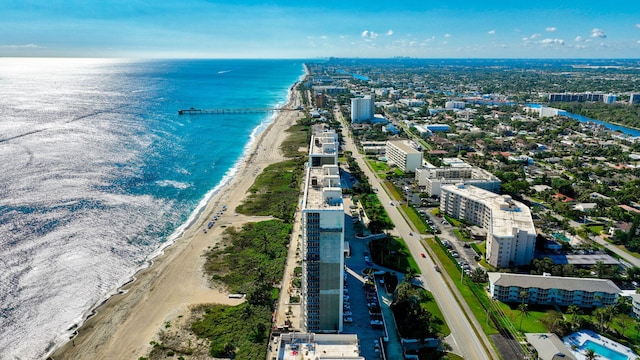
pixel 470 340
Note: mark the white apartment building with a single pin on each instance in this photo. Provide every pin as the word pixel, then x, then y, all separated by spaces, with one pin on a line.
pixel 511 235
pixel 374 147
pixel 450 105
pixel 324 147
pixel 552 290
pixel 322 240
pixel 635 305
pixel 404 155
pixel 362 108
pixel 432 179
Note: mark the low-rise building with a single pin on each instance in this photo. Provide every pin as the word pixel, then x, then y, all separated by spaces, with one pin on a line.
pixel 552 290
pixel 374 147
pixel 549 346
pixel 432 179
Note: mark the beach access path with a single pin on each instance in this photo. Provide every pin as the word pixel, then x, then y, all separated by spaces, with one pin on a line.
pixel 124 326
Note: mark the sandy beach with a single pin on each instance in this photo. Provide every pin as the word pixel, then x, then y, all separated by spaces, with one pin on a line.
pixel 123 327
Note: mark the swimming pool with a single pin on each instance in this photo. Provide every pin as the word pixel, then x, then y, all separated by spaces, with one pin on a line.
pixel 561 237
pixel 603 351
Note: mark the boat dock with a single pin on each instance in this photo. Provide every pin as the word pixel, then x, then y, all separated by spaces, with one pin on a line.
pixel 194 111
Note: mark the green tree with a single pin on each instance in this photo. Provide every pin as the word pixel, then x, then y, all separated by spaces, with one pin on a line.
pixel 574 310
pixel 523 310
pixel 590 354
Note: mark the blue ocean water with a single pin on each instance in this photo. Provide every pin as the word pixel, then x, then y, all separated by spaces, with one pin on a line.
pixel 98 171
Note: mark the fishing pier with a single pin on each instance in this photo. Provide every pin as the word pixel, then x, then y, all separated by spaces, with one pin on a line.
pixel 194 111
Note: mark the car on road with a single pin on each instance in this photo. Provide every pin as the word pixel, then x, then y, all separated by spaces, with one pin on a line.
pixel 423 255
pixel 410 233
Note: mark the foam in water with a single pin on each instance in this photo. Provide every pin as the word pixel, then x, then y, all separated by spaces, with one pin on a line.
pixel 99 174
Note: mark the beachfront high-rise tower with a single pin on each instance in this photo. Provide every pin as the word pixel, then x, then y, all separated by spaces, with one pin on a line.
pixel 362 109
pixel 322 238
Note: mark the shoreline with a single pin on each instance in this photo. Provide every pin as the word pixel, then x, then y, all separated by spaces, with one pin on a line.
pixel 122 325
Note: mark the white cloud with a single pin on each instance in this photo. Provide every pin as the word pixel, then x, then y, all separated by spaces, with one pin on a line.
pixel 447 36
pixel 324 37
pixel 551 42
pixel 638 26
pixel 491 32
pixel 579 39
pixel 551 29
pixel 598 33
pixel 390 32
pixel 638 41
pixel 22 46
pixel 535 36
pixel 369 34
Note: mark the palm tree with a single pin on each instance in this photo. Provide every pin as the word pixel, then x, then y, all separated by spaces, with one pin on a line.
pixel 524 294
pixel 600 269
pixel 523 309
pixel 574 310
pixel 600 314
pixel 590 354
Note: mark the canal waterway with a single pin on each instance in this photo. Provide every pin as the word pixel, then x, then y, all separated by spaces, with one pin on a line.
pixel 613 127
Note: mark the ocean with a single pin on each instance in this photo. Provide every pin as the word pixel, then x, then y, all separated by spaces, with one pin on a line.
pixel 98 173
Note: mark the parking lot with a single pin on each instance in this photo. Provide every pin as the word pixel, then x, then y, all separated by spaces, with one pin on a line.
pixel 361 301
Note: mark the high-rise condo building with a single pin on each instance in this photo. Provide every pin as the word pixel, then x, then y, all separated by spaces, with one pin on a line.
pixel 322 238
pixel 511 235
pixel 404 155
pixel 362 109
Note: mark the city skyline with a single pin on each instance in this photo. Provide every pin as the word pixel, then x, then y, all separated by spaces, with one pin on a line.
pixel 289 29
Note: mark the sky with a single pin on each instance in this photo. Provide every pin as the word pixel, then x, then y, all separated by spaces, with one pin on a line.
pixel 306 29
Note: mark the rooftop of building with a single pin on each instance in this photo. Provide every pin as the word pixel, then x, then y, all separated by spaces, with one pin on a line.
pixel 324 144
pixel 553 282
pixel 323 190
pixel 299 346
pixel 549 346
pixel 455 162
pixel 583 259
pixel 404 145
pixel 506 213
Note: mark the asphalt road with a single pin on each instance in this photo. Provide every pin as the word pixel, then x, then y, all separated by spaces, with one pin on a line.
pixel 470 341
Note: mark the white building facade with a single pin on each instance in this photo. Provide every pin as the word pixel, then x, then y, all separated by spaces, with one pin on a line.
pixel 404 155
pixel 432 179
pixel 511 235
pixel 362 109
pixel 322 240
pixel 552 290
